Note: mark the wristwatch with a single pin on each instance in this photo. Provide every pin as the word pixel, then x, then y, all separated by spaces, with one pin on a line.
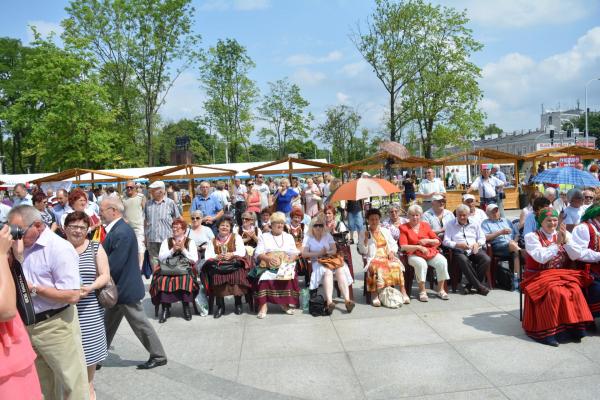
pixel 33 290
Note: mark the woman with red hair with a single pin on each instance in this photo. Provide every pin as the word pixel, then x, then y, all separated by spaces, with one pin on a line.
pixel 78 201
pixel 173 281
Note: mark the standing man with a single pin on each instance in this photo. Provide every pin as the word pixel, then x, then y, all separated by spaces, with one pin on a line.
pixel 487 185
pixel 21 195
pixel 497 172
pixel 160 212
pixel 354 210
pixel 51 267
pixel 265 192
pixel 430 186
pixel 121 247
pixel 134 204
pixel 208 204
pixel 240 194
pixel 62 205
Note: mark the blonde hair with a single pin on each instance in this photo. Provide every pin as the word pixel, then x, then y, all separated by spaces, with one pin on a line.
pixel 318 219
pixel 277 217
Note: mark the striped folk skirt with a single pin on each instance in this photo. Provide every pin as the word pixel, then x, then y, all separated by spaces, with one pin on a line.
pixel 554 303
pixel 277 292
pixel 173 288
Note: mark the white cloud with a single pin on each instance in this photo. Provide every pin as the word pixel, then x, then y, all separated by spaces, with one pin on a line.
pixel 354 69
pixel 304 76
pixel 237 5
pixel 524 13
pixel 44 28
pixel 185 99
pixel 516 85
pixel 342 98
pixel 307 59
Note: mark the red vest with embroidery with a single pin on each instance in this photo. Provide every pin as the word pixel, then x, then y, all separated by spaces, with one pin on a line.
pixel 561 260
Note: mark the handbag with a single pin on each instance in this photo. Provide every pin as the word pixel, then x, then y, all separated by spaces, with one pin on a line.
pixel 24 301
pixel 175 265
pixel 331 262
pixel 109 294
pixel 431 252
pixel 390 297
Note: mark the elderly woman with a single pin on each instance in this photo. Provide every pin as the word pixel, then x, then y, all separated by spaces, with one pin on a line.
pixel 249 232
pixel 173 281
pixel 383 266
pixel 200 234
pixel 95 274
pixel 284 197
pixel 393 221
pixel 317 245
pixel 276 280
pixel 78 201
pixel 422 243
pixel 312 195
pixel 40 202
pixel 554 301
pixel 226 267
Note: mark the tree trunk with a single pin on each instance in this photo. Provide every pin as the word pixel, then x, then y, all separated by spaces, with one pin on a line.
pixel 392 117
pixel 149 138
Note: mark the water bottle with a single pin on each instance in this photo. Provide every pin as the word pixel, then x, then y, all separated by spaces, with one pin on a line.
pixel 515 282
pixel 304 298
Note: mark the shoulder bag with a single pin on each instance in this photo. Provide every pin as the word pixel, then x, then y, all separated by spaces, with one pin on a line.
pixel 108 295
pixel 24 301
pixel 332 262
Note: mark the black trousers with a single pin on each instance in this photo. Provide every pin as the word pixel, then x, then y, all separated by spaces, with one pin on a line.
pixel 240 208
pixel 473 266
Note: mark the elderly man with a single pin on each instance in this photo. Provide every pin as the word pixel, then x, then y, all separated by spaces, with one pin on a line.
pixel 588 198
pixel 62 205
pixel 487 185
pixel 428 187
pixel 21 196
pixel 501 234
pixel 438 216
pixel 134 204
pixel 466 241
pixel 209 204
pixel 51 267
pixel 121 248
pixel 584 247
pixel 160 211
pixel 476 215
pixel 573 212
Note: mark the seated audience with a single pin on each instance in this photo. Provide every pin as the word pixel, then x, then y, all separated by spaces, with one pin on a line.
pixel 501 235
pixel 438 216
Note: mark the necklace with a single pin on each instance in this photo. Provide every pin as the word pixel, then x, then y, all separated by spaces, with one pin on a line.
pixel 223 240
pixel 275 240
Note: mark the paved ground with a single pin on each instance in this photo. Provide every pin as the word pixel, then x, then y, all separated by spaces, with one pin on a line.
pixel 470 347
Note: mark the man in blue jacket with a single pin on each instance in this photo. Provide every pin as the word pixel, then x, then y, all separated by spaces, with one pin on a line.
pixel 121 247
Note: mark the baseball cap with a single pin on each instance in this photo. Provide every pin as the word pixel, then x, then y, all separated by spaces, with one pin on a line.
pixel 468 197
pixel 491 207
pixel 157 185
pixel 437 197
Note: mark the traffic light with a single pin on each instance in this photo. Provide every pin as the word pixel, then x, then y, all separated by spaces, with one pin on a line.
pixel 551 137
pixel 569 133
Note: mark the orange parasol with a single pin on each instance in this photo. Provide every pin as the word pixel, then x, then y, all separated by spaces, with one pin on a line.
pixel 363 188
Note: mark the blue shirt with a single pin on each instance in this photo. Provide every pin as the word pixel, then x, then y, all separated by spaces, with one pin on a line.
pixel 490 226
pixel 284 201
pixel 58 212
pixel 530 224
pixel 500 175
pixel 209 206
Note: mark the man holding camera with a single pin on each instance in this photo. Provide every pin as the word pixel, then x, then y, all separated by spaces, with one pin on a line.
pixel 51 267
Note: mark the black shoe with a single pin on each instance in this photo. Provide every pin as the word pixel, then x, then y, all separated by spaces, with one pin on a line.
pixel 466 290
pixel 220 310
pixel 152 363
pixel 482 290
pixel 98 366
pixel 238 309
pixel 163 315
pixel 550 341
pixel 187 314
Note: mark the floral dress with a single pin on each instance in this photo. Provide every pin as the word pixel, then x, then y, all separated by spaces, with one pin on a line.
pixel 384 272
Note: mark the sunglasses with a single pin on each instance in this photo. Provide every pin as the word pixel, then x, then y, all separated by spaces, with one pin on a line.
pixel 248 219
pixel 129 187
pixel 318 225
pixel 589 197
pixel 196 218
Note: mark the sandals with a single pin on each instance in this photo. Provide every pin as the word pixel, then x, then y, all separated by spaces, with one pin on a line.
pixel 261 315
pixel 376 302
pixel 405 299
pixel 287 310
pixel 443 295
pixel 330 308
pixel 350 306
pixel 423 297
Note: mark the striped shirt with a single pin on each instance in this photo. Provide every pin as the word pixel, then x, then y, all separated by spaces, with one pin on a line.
pixel 159 217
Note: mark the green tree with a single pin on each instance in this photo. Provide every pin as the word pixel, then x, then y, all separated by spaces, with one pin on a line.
pixel 137 43
pixel 443 99
pixel 593 125
pixel 230 94
pixel 339 131
pixel 390 43
pixel 199 141
pixel 492 129
pixel 283 109
pixel 64 111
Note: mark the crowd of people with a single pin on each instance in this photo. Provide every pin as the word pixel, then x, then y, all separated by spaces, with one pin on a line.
pixel 251 242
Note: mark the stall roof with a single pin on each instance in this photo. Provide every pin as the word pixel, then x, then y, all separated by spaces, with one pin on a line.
pixel 478 156
pixel 557 152
pixel 291 165
pixel 378 161
pixel 189 171
pixel 81 175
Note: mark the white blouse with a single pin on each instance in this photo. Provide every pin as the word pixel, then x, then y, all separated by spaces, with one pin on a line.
pixel 577 248
pixel 191 253
pixel 268 243
pixel 538 252
pixel 315 245
pixel 240 249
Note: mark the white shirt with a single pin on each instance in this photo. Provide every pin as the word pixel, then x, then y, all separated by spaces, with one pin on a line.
pixel 108 227
pixel 239 192
pixel 538 252
pixel 268 243
pixel 572 215
pixel 456 233
pixel 578 247
pixel 478 217
pixel 222 196
pixel 191 253
pixel 487 187
pixel 4 210
pixel 430 217
pixel 428 187
pixel 264 194
pixel 240 249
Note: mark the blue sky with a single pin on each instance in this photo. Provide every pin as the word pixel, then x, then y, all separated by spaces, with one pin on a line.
pixel 535 52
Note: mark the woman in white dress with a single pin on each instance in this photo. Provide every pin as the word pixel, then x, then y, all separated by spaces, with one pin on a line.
pixel 319 243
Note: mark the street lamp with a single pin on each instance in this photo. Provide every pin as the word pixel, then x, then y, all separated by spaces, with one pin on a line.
pixel 586 109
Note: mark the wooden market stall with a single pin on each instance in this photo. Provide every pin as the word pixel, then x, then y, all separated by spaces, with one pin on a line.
pixel 556 153
pixel 477 157
pixel 289 166
pixel 188 172
pixel 84 176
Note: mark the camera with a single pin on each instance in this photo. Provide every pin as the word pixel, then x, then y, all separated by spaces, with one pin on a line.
pixel 15 231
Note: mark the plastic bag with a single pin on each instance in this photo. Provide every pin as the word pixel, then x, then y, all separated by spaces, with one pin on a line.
pixel 304 299
pixel 202 302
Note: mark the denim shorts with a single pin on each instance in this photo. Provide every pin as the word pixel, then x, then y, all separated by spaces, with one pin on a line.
pixel 356 222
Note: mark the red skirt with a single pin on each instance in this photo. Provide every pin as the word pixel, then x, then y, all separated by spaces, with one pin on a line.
pixel 554 302
pixel 277 292
pixel 184 287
